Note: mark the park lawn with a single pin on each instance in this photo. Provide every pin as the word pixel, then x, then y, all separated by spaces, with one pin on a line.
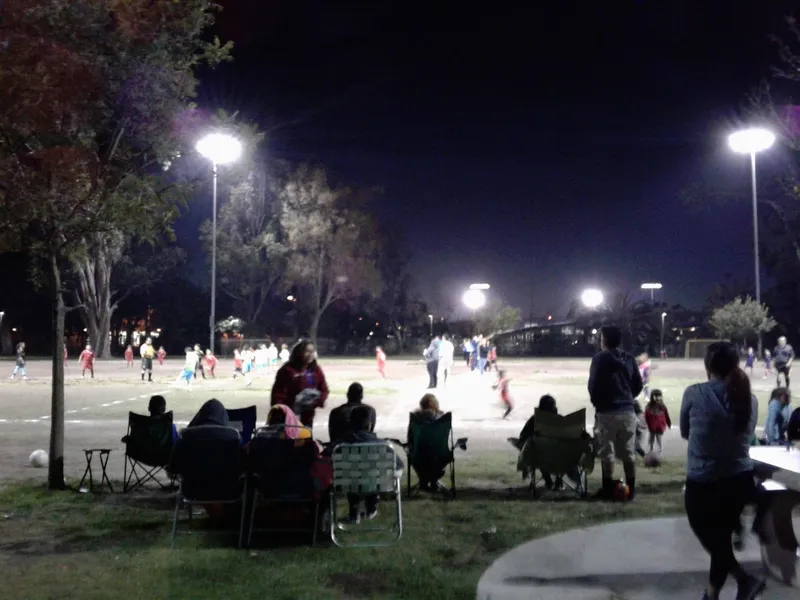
pixel 68 545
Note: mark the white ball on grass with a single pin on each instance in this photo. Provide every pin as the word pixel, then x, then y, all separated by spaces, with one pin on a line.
pixel 38 459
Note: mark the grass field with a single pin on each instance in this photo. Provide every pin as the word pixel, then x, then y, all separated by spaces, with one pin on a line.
pixel 70 545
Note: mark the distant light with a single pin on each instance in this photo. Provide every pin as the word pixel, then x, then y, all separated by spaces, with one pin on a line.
pixel 651 286
pixel 290 298
pixel 479 286
pixel 220 148
pixel 377 324
pixel 370 333
pixel 430 316
pixel 594 331
pixel 474 299
pixel 663 315
pixel 592 298
pixel 13 329
pixel 85 330
pixel 549 317
pixel 750 141
pixel 360 318
pixel 693 328
pixel 158 330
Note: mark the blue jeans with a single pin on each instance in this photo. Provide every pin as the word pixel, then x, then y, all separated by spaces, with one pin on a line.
pixel 19 368
pixel 482 364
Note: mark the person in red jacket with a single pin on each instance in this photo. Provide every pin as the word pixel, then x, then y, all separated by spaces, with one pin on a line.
pixel 129 356
pixel 380 355
pixel 300 383
pixel 161 355
pixel 87 361
pixel 657 418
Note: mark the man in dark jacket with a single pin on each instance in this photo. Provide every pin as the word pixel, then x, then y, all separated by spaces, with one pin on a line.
pixel 431 355
pixel 614 383
pixel 339 424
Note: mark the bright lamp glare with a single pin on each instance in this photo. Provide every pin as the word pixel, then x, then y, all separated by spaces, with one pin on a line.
pixel 651 286
pixel 479 286
pixel 750 141
pixel 219 148
pixel 592 298
pixel 474 299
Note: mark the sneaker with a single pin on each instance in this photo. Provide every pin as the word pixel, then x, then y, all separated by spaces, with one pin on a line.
pixel 751 588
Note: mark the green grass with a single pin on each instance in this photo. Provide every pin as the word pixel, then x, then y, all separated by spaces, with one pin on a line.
pixel 67 545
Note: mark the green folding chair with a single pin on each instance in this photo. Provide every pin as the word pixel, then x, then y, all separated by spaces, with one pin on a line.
pixel 559 452
pixel 430 449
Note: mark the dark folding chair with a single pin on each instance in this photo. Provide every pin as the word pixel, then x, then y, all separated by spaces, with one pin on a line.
pixel 208 461
pixel 244 421
pixel 148 447
pixel 430 449
pixel 280 471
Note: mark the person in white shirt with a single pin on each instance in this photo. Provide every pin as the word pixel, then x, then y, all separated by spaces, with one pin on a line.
pixel 284 354
pixel 189 366
pixel 272 355
pixel 446 351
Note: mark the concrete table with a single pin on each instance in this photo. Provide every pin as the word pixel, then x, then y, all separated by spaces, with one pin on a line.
pixel 651 559
pixel 779 548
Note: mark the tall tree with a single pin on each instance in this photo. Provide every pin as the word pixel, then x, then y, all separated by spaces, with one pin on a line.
pixel 251 257
pixel 93 94
pixel 741 320
pixel 497 317
pixel 330 238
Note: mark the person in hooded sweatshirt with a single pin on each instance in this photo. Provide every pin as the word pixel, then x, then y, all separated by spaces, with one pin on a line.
pixel 718 419
pixel 614 383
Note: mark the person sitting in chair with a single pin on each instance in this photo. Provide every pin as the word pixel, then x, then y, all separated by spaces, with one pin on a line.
pixel 339 420
pixel 158 407
pixel 546 404
pixel 429 408
pixel 284 422
pixel 361 423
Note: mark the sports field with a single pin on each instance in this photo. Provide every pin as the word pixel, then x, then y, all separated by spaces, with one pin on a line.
pixel 97 409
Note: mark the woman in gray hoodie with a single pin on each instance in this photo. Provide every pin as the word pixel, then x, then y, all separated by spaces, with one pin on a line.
pixel 718 418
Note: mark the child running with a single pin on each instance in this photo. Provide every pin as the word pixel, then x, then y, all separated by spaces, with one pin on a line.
pixel 238 364
pixel 767 364
pixel 380 355
pixel 87 361
pixel 211 363
pixel 19 365
pixel 189 366
pixel 505 396
pixel 657 418
pixel 161 355
pixel 750 361
pixel 129 356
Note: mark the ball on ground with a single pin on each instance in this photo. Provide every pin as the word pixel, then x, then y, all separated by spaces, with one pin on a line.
pixel 621 491
pixel 38 459
pixel 652 460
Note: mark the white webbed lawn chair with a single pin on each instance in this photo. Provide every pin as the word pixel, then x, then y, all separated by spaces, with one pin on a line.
pixel 365 469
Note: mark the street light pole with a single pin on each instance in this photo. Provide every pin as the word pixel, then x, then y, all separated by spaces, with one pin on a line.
pixel 755 226
pixel 213 317
pixel 430 318
pixel 663 316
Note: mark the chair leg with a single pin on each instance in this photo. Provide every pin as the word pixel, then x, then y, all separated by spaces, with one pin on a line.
pixel 175 521
pixel 125 475
pixel 408 468
pixel 453 479
pixel 243 511
pixel 316 524
pixel 254 502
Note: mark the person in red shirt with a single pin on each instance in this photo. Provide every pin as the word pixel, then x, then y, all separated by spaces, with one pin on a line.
pixel 161 355
pixel 129 356
pixel 66 356
pixel 87 361
pixel 381 356
pixel 657 418
pixel 211 362
pixel 505 396
pixel 300 383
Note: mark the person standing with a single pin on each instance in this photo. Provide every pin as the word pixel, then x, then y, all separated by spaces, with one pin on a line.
pixel 718 419
pixel 446 358
pixel 300 383
pixel 783 356
pixel 148 353
pixel 483 355
pixel 614 383
pixel 467 348
pixel 129 356
pixel 86 360
pixel 19 364
pixel 380 356
pixel 199 364
pixel 161 355
pixel 431 355
pixel 211 363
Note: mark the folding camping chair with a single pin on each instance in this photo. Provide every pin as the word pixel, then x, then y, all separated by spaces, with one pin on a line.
pixel 148 447
pixel 559 448
pixel 208 461
pixel 279 471
pixel 430 449
pixel 244 421
pixel 364 470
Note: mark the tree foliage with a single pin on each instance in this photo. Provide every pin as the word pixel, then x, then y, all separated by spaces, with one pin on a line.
pixel 741 320
pixel 496 317
pixel 93 102
pixel 330 238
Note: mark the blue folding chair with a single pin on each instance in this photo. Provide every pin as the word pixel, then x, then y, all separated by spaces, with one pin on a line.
pixel 244 421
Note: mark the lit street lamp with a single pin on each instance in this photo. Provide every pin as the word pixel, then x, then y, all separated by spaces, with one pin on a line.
pixel 592 298
pixel 753 141
pixel 220 149
pixel 430 318
pixel 474 299
pixel 479 286
pixel 652 287
pixel 663 316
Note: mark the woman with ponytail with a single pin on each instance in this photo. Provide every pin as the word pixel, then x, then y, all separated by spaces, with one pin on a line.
pixel 718 418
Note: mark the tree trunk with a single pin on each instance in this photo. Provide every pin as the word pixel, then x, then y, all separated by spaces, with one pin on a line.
pixel 94 294
pixel 55 473
pixel 312 330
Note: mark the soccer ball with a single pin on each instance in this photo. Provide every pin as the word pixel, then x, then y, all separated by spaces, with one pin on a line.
pixel 38 459
pixel 652 460
pixel 621 491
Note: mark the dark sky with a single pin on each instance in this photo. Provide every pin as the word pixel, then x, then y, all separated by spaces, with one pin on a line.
pixel 541 151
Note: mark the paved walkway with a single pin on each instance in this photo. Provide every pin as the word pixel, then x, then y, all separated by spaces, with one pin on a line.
pixel 632 560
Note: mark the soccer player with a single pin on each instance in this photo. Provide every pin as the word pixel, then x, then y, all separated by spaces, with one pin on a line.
pixel 148 353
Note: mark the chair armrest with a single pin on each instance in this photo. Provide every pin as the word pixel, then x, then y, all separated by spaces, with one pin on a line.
pixel 403 445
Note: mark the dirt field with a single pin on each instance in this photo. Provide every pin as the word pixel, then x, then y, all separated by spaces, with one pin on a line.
pixel 97 409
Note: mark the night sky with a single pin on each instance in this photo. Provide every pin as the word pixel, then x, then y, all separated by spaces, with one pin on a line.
pixel 540 151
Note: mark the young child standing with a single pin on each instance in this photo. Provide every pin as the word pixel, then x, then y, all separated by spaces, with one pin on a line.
pixel 129 356
pixel 657 418
pixel 284 355
pixel 767 364
pixel 750 361
pixel 380 356
pixel 189 366
pixel 211 363
pixel 505 396
pixel 87 361
pixel 238 364
pixel 644 370
pixel 161 355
